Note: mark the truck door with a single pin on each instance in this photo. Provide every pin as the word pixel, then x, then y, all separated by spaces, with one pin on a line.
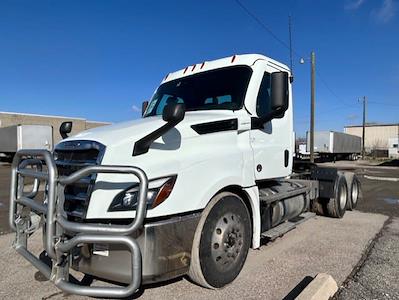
pixel 272 144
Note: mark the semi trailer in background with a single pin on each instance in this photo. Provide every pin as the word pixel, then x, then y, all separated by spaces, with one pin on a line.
pixel 15 138
pixel 335 145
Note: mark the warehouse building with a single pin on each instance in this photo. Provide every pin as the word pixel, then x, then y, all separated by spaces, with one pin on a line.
pixel 79 124
pixel 379 138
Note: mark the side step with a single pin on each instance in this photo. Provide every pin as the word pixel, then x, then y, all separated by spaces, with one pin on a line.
pixel 283 228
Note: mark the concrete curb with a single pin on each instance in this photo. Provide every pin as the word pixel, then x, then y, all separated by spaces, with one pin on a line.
pixel 323 286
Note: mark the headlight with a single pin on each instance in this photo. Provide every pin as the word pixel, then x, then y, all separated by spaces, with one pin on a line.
pixel 158 191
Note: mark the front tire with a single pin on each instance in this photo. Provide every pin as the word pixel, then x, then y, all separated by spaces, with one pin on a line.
pixel 221 241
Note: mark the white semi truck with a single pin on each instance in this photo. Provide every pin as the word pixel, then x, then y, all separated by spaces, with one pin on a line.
pixel 206 174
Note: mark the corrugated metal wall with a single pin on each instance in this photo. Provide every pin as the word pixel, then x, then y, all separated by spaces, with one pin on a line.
pixel 377 136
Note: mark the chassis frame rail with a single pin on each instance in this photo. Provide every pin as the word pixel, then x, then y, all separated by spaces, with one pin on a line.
pixel 56 243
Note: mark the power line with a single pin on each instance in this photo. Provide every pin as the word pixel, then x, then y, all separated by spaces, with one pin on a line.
pixel 263 25
pixel 383 103
pixel 289 47
pixel 339 108
pixel 330 89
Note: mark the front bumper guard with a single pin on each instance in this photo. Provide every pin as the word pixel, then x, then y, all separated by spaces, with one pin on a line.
pixel 57 243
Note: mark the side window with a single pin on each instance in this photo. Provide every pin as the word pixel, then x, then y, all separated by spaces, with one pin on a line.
pixel 218 100
pixel 263 100
pixel 167 99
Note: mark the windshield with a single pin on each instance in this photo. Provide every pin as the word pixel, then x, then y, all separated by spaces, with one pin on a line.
pixel 223 88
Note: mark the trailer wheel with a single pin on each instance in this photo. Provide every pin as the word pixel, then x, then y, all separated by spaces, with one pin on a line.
pixel 336 206
pixel 221 241
pixel 354 188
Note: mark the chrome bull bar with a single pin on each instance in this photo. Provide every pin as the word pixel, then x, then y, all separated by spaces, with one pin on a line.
pixel 57 244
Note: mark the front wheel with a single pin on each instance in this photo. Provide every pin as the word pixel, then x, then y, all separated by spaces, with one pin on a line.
pixel 221 241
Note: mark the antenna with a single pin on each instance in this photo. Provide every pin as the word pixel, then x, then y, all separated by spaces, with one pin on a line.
pixel 290 36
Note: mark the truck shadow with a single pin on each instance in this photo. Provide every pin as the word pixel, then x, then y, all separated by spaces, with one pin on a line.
pixel 149 286
pixel 391 163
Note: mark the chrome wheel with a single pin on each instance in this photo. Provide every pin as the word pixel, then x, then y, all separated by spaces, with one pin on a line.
pixel 343 195
pixel 355 191
pixel 227 240
pixel 221 241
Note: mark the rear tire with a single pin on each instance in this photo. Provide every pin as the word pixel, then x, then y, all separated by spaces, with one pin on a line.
pixel 354 188
pixel 336 206
pixel 221 241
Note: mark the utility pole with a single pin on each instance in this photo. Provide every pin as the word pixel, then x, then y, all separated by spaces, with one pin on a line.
pixel 364 126
pixel 312 103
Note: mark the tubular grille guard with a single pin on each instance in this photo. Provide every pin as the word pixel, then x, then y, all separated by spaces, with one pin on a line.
pixel 56 244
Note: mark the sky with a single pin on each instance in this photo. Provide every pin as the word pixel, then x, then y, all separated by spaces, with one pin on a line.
pixel 100 59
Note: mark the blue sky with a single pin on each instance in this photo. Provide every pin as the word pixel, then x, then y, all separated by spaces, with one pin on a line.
pixel 100 59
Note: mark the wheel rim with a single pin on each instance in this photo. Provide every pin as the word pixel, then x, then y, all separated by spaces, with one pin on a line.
pixel 342 197
pixel 227 241
pixel 355 191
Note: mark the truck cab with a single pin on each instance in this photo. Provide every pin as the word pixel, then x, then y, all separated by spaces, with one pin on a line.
pixel 186 189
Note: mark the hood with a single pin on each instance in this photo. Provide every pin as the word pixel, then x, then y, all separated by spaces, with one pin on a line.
pixel 136 129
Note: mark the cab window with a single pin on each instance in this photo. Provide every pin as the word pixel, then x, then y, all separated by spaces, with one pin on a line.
pixel 263 104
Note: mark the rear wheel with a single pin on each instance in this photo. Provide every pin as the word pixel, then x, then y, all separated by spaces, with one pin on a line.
pixel 336 206
pixel 221 241
pixel 353 185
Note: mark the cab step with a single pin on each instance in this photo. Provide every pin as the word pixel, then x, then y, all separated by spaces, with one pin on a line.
pixel 283 228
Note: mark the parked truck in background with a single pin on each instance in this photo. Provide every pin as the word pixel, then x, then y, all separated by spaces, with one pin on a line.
pixel 301 152
pixel 15 138
pixel 206 174
pixel 335 145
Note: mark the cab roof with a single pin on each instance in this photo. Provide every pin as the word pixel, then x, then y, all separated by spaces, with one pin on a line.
pixel 235 60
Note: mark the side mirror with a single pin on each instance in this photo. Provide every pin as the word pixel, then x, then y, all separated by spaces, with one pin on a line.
pixel 144 107
pixel 173 113
pixel 279 99
pixel 279 91
pixel 65 128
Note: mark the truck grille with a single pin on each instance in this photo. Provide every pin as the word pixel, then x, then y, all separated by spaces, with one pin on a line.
pixel 69 157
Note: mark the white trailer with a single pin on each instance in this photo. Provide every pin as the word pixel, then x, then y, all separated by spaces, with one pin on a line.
pixel 17 137
pixel 393 148
pixel 206 174
pixel 302 152
pixel 335 145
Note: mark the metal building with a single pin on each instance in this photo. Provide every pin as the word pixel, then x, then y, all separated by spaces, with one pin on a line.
pixel 79 124
pixel 377 136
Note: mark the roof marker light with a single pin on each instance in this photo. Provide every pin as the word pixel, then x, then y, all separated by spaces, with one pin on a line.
pixel 202 65
pixel 233 58
pixel 185 70
pixel 193 68
pixel 166 76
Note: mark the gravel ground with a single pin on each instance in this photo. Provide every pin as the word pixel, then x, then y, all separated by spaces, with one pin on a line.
pixel 319 245
pixel 377 275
